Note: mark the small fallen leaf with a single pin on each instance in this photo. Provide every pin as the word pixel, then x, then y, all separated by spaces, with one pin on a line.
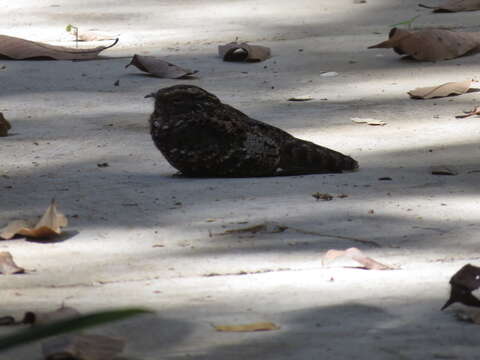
pixel 301 98
pixel 455 6
pixel 48 226
pixel 443 170
pixel 371 122
pixel 329 74
pixel 20 49
pixel 159 68
pixel 243 52
pixel 358 256
pixel 462 283
pixel 7 265
pixel 83 347
pixel 261 326
pixel 475 111
pixel 4 126
pixel 447 89
pixel 431 44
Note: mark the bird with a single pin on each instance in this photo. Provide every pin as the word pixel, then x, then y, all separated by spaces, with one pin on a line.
pixel 202 137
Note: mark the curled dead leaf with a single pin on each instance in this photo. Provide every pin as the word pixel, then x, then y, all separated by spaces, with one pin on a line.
pixel 475 111
pixel 358 256
pixel 443 90
pixel 7 265
pixel 260 326
pixel 159 68
pixel 431 44
pixel 49 225
pixel 455 6
pixel 243 52
pixel 4 126
pixel 19 49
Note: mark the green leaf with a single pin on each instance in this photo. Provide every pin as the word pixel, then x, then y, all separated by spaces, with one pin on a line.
pixel 38 332
pixel 69 27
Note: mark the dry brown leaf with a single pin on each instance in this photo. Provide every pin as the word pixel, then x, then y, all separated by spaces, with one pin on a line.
pixel 82 347
pixel 261 326
pixel 358 256
pixel 443 170
pixel 7 265
pixel 431 44
pixel 371 122
pixel 455 6
pixel 4 126
pixel 243 52
pixel 447 89
pixel 19 49
pixel 49 225
pixel 475 111
pixel 159 68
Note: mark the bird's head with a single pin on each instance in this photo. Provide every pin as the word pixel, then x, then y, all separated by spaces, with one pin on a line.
pixel 182 98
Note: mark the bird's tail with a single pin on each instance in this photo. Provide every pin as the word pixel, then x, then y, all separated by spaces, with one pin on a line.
pixel 304 157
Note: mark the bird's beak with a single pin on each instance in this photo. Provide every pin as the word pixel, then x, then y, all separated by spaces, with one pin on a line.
pixel 150 95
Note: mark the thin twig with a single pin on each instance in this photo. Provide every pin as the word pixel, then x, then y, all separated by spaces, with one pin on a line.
pixel 361 241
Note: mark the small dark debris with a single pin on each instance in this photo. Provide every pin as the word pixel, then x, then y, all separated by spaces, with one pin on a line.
pixel 103 165
pixel 319 196
pixel 443 170
pixel 385 178
pixel 116 83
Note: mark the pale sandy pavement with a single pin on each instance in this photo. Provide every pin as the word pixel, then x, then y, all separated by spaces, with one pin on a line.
pixel 139 236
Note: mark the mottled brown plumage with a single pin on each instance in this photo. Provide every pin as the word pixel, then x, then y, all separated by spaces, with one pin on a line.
pixel 202 137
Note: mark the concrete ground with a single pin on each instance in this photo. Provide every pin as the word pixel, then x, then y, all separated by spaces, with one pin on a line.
pixel 139 236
